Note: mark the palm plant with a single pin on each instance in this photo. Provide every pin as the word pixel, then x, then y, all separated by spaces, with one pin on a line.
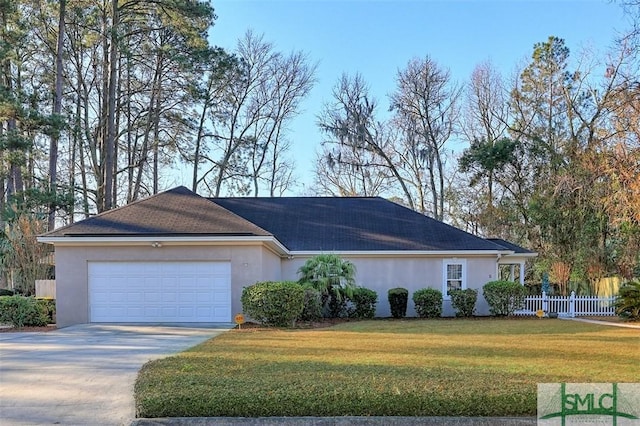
pixel 628 301
pixel 331 275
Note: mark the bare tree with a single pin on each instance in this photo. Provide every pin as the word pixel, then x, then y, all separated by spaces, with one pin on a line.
pixel 426 105
pixel 250 105
pixel 350 172
pixel 356 138
pixel 485 113
pixel 290 80
pixel 484 125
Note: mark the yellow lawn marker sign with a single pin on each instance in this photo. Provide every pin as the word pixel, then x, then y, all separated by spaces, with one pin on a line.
pixel 239 319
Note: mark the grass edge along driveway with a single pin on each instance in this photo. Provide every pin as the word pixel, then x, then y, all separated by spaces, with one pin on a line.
pixel 476 367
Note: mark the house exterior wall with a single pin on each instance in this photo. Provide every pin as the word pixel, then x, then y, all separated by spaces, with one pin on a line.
pixel 249 264
pixel 413 273
pixel 271 266
pixel 479 272
pixel 253 263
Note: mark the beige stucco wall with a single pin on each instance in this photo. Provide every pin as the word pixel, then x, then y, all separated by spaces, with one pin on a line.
pixel 249 264
pixel 253 263
pixel 271 267
pixel 413 273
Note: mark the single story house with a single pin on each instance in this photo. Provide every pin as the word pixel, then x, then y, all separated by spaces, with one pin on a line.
pixel 178 257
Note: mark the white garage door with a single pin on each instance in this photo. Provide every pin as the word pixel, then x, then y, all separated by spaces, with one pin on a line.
pixel 159 291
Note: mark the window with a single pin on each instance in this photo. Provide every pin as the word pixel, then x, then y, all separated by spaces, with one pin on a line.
pixel 454 274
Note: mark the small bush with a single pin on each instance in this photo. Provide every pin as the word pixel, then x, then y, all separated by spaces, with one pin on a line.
pixel 48 306
pixel 398 301
pixel 312 310
pixel 628 301
pixel 428 302
pixel 336 307
pixel 6 292
pixel 464 301
pixel 504 297
pixel 274 303
pixel 20 311
pixel 363 302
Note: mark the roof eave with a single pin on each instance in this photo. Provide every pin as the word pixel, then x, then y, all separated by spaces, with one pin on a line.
pixel 182 240
pixel 393 253
pixel 527 255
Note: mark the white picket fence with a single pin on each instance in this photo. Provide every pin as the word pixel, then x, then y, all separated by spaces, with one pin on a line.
pixel 569 306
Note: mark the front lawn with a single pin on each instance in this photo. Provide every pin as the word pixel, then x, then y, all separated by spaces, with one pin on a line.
pixel 476 367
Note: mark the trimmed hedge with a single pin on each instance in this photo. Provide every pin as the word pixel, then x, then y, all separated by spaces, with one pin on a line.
pixel 48 306
pixel 6 292
pixel 504 297
pixel 398 298
pixel 428 302
pixel 363 303
pixel 312 310
pixel 274 303
pixel 21 311
pixel 464 301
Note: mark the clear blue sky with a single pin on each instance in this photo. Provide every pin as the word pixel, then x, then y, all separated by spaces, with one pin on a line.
pixel 376 38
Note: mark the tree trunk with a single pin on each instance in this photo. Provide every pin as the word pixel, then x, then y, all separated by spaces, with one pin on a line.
pixel 116 145
pixel 2 182
pixel 57 109
pixel 440 212
pixel 203 115
pixel 156 127
pixel 109 160
pixel 144 153
pixel 73 146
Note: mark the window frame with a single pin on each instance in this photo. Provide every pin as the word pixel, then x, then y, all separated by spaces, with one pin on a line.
pixel 445 280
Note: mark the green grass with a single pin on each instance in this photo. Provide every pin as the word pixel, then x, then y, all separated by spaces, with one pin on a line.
pixel 487 367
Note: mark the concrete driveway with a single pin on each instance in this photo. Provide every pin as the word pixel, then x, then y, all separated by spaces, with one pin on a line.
pixel 83 375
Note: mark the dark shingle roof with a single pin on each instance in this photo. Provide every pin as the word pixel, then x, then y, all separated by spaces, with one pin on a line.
pixel 175 212
pixel 510 246
pixel 351 224
pixel 300 223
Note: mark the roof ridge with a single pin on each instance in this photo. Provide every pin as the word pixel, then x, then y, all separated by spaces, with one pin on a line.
pixel 319 197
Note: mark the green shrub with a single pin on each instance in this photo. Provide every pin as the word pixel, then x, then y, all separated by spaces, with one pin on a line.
pixel 20 311
pixel 274 303
pixel 628 301
pixel 6 292
pixel 504 297
pixel 312 310
pixel 464 301
pixel 336 307
pixel 428 302
pixel 48 306
pixel 363 302
pixel 398 301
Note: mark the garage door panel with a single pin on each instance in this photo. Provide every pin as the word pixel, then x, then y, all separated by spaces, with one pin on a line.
pixel 186 297
pixel 153 296
pixel 135 312
pixel 116 297
pixel 133 297
pixel 169 296
pixel 160 291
